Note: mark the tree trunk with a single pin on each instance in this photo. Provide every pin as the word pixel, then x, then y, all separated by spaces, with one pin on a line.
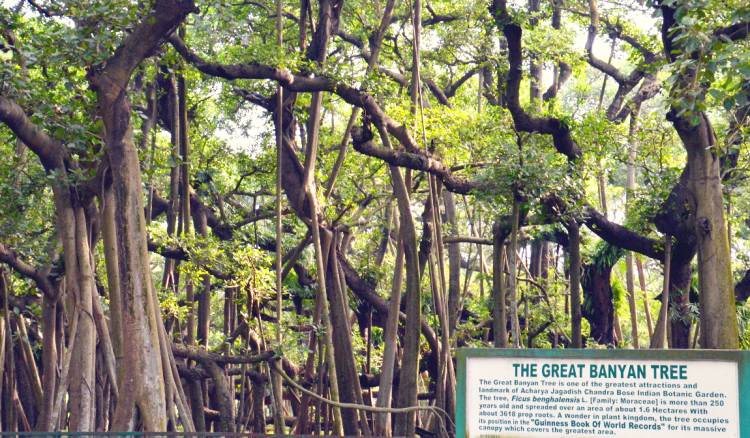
pixel 349 389
pixel 454 263
pixel 113 276
pixel 143 382
pixel 680 286
pixel 407 390
pixel 80 280
pixel 717 304
pixel 574 249
pixel 599 309
pixel 390 341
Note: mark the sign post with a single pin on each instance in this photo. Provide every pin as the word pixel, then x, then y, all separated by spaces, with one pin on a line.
pixel 603 393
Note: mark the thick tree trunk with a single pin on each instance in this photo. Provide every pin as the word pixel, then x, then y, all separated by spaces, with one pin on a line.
pixel 143 384
pixel 717 305
pixel 717 302
pixel 49 361
pixel 599 308
pixel 680 285
pixel 143 378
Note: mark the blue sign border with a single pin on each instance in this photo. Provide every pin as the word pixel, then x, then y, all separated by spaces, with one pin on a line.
pixel 741 358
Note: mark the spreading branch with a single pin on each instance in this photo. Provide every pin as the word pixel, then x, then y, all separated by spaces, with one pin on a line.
pixel 201 355
pixel 415 160
pixel 302 84
pixel 559 130
pixel 38 275
pixel 50 151
pixel 621 236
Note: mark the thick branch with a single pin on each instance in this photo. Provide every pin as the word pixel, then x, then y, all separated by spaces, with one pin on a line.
pixel 199 354
pixel 39 276
pixel 299 83
pixel 416 160
pixel 467 239
pixel 51 152
pixel 620 236
pixel 559 131
pixel 141 42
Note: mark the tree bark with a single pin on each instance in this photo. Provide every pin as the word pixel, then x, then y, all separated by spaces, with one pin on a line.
pixel 513 269
pixel 390 341
pixel 499 312
pixel 574 250
pixel 717 302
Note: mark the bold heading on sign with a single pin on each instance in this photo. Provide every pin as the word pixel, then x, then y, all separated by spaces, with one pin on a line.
pixel 610 393
pixel 608 371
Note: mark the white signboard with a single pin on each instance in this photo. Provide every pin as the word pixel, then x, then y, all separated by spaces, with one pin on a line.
pixel 558 397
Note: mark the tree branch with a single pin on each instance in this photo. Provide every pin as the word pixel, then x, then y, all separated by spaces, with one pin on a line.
pixel 299 83
pixel 39 276
pixel 555 127
pixel 140 43
pixel 416 160
pixel 50 151
pixel 620 236
pixel 735 32
pixel 201 355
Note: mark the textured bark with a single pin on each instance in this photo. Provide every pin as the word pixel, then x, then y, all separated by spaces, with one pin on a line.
pixel 143 380
pixel 574 249
pixel 718 319
pixel 454 263
pixel 717 302
pixel 407 394
pixel 80 287
pixel 390 341
pixel 512 275
pixel 598 308
pixel 113 276
pixel 49 361
pixel 659 340
pixel 348 380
